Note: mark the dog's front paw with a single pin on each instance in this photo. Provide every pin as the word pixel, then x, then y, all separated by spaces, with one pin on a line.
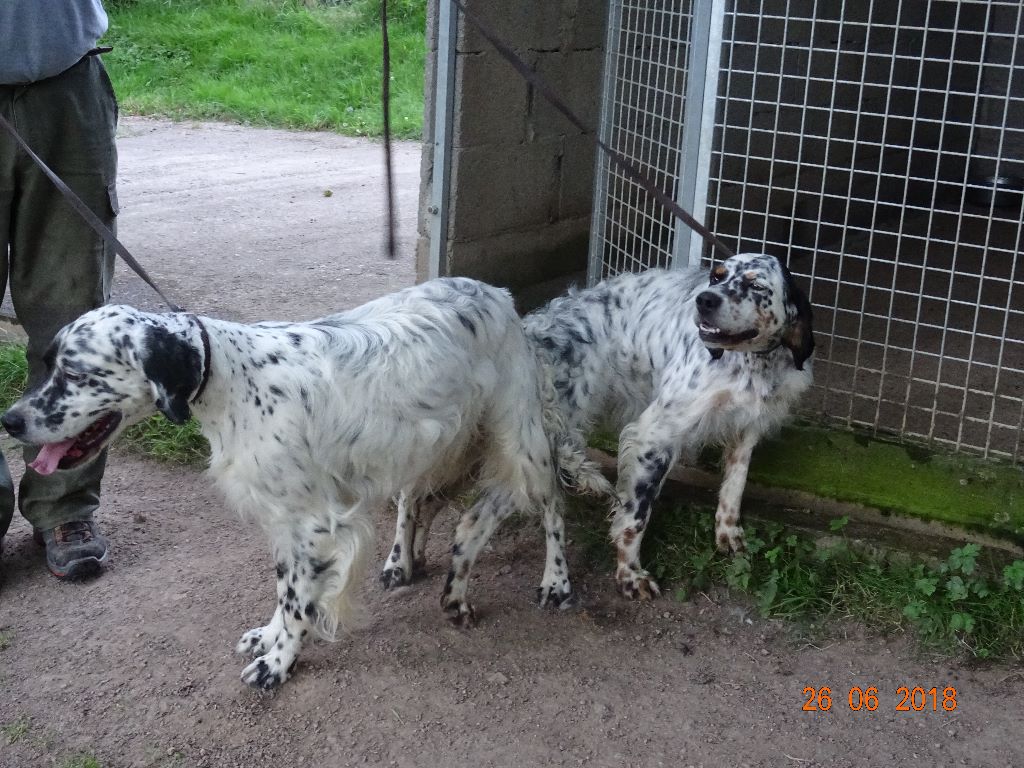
pixel 257 641
pixel 730 539
pixel 395 576
pixel 460 613
pixel 269 670
pixel 636 584
pixel 558 595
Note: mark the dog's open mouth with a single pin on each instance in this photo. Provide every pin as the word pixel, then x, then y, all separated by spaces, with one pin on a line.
pixel 709 334
pixel 76 450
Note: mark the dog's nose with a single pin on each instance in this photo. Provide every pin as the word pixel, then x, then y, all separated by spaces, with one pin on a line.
pixel 14 423
pixel 708 301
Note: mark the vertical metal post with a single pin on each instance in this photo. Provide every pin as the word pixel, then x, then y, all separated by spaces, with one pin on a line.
pixel 444 103
pixel 605 128
pixel 698 126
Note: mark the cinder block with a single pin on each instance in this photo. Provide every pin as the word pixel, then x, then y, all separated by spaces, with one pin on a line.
pixel 429 102
pixel 431 25
pixel 497 189
pixel 522 24
pixel 586 24
pixel 424 217
pixel 422 258
pixel 490 101
pixel 576 77
pixel 576 185
pixel 523 258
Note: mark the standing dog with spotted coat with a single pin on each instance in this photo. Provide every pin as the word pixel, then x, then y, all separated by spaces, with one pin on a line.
pixel 314 425
pixel 671 363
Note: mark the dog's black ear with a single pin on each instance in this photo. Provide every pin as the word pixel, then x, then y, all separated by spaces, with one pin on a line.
pixel 798 337
pixel 174 369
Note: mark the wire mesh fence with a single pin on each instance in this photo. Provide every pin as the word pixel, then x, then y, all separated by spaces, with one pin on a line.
pixel 642 118
pixel 879 147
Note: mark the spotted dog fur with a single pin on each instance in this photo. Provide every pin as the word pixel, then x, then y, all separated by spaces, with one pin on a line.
pixel 672 363
pixel 313 425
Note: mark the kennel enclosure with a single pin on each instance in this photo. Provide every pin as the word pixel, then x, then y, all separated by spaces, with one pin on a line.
pixel 878 147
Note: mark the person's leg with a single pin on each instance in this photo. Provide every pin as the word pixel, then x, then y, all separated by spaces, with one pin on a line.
pixel 59 269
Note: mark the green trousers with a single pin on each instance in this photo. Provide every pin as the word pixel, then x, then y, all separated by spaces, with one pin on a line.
pixel 57 268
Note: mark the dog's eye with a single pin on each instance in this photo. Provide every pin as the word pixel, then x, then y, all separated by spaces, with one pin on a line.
pixel 757 285
pixel 718 274
pixel 74 375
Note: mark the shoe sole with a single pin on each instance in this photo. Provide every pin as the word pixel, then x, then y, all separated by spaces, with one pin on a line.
pixel 78 569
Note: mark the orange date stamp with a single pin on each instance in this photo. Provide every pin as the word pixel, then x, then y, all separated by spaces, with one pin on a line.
pixel 907 699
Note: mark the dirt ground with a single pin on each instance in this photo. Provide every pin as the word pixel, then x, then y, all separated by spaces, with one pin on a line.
pixel 136 668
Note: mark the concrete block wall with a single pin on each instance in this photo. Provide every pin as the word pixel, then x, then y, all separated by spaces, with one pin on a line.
pixel 521 175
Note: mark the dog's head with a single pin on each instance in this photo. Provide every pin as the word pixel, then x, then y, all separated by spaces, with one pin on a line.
pixel 753 304
pixel 105 371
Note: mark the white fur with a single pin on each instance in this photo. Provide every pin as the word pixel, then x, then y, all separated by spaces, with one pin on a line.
pixel 628 355
pixel 314 425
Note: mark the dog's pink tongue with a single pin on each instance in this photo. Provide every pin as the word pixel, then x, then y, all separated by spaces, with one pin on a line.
pixel 50 455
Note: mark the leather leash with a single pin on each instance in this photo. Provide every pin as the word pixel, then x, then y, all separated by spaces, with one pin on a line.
pixel 86 213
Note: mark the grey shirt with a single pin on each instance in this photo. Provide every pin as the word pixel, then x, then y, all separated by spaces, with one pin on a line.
pixel 42 38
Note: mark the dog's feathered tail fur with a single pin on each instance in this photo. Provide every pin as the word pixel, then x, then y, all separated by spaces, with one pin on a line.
pixel 575 471
pixel 340 605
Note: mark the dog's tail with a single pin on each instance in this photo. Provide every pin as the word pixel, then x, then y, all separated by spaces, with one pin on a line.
pixel 576 473
pixel 344 564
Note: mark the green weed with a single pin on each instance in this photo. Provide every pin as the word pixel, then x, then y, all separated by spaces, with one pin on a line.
pixel 13 373
pixel 15 731
pixel 80 761
pixel 6 638
pixel 159 438
pixel 971 604
pixel 269 62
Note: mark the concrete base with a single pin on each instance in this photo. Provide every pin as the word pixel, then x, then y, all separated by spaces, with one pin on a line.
pixel 812 514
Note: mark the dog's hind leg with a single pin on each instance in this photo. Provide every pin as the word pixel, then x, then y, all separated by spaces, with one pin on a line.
pixel 407 558
pixel 426 511
pixel 555 588
pixel 474 529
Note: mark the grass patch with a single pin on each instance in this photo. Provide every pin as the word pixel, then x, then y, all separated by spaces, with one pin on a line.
pixel 15 731
pixel 13 374
pixel 269 62
pixel 80 761
pixel 969 605
pixel 159 438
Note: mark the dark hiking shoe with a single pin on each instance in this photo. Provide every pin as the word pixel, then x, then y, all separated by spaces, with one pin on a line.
pixel 73 550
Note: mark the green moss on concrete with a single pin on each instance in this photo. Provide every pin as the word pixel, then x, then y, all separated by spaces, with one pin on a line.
pixel 897 478
pixel 906 479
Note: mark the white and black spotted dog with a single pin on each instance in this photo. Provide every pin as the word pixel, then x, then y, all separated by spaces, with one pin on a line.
pixel 671 363
pixel 313 425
